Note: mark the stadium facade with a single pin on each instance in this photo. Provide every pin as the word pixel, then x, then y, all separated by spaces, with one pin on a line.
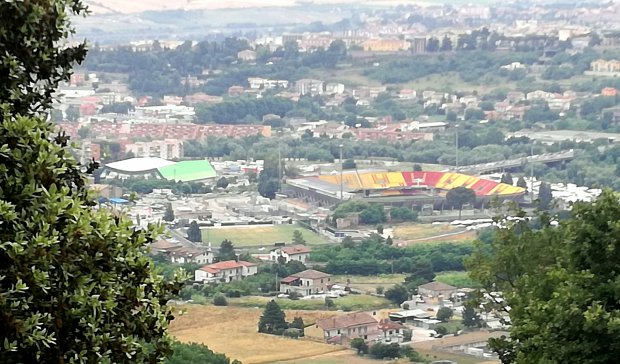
pixel 412 189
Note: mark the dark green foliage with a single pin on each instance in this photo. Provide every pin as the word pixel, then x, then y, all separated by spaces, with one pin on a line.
pixel 76 283
pixel 117 108
pixel 222 182
pixel 506 178
pixel 31 64
pixel 397 294
pixel 273 320
pixel 560 284
pixel 227 251
pixel 373 214
pixel 193 232
pixel 421 273
pixel 379 229
pixel 522 183
pixel 349 164
pixel 169 213
pixel 403 214
pixel 269 177
pixel 372 256
pixel 298 323
pixel 360 345
pixel 444 314
pixel 219 300
pixel 441 330
pixel 235 111
pixel 298 238
pixel 196 353
pixel 545 196
pixel 459 196
pixel 387 351
pixel 471 316
pixel 329 303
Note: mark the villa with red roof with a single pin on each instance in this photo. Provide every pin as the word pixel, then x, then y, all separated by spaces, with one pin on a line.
pixel 226 271
pixel 299 253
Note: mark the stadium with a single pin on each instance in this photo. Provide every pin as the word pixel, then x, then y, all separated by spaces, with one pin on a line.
pixel 152 167
pixel 415 189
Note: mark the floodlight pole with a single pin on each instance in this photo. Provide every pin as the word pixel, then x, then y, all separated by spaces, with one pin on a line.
pixel 341 171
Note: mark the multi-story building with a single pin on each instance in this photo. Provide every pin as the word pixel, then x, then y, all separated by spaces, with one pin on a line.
pixel 343 328
pixel 297 253
pixel 306 283
pixel 226 271
pixel 166 149
pixel 601 65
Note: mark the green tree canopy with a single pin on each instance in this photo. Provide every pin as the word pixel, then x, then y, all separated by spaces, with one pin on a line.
pixel 560 283
pixel 193 232
pixel 227 251
pixel 169 213
pixel 76 283
pixel 298 238
pixel 273 320
pixel 460 196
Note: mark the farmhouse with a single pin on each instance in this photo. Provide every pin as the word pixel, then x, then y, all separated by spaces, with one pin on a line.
pixel 298 253
pixel 305 283
pixel 436 289
pixel 226 271
pixel 344 328
pixel 391 332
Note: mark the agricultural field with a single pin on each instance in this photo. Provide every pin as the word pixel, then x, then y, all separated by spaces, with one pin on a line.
pixel 259 236
pixel 347 303
pixel 369 283
pixel 456 279
pixel 233 331
pixel 425 233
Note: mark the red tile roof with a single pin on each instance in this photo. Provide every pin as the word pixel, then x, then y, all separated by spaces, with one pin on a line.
pixel 385 325
pixel 310 274
pixel 228 264
pixel 296 249
pixel 346 321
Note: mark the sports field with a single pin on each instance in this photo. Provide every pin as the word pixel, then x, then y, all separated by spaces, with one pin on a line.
pixel 408 234
pixel 352 302
pixel 256 236
pixel 233 331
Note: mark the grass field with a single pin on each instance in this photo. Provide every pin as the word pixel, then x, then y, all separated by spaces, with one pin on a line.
pixel 232 331
pixel 346 303
pixel 256 236
pixel 370 283
pixel 426 233
pixel 457 279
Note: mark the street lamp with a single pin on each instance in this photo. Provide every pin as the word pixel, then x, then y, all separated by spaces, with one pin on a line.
pixel 341 169
pixel 456 145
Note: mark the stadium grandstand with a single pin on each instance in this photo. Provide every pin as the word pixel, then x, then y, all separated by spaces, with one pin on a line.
pixel 158 168
pixel 397 188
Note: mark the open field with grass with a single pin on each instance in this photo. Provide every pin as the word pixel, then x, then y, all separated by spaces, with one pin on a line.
pixel 233 331
pixel 338 357
pixel 433 355
pixel 369 283
pixel 257 236
pixel 407 234
pixel 456 279
pixel 351 302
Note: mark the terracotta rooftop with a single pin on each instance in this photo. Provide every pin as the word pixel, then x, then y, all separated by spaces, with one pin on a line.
pixel 228 264
pixel 295 249
pixel 346 321
pixel 387 324
pixel 310 274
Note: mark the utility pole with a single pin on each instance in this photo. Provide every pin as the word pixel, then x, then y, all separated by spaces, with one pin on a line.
pixel 456 145
pixel 279 166
pixel 532 172
pixel 341 170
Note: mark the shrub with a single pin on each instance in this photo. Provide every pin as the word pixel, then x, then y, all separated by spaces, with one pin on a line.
pixel 220 300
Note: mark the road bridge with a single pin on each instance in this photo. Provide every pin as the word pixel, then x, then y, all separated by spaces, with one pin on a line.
pixel 546 158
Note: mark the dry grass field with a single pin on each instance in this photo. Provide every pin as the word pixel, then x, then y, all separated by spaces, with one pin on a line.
pixel 232 331
pixel 425 233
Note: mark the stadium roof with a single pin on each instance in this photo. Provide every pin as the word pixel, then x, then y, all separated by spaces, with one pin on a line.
pixel 139 165
pixel 188 171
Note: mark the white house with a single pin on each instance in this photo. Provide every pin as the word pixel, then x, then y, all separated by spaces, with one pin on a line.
pixel 391 332
pixel 306 283
pixel 184 255
pixel 299 253
pixel 226 271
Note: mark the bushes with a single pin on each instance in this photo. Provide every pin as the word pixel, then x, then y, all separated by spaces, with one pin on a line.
pixel 219 300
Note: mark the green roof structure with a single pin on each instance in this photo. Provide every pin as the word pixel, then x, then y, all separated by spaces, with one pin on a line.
pixel 187 171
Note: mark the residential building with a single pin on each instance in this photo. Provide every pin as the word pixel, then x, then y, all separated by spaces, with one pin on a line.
pixel 379 134
pixel 609 91
pixel 247 55
pixel 391 332
pixel 418 45
pixel 306 283
pixel 165 149
pixel 436 289
pixel 385 45
pixel 226 271
pixel 297 253
pixel 309 86
pixel 188 254
pixel 257 83
pixel 344 328
pixel 601 65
